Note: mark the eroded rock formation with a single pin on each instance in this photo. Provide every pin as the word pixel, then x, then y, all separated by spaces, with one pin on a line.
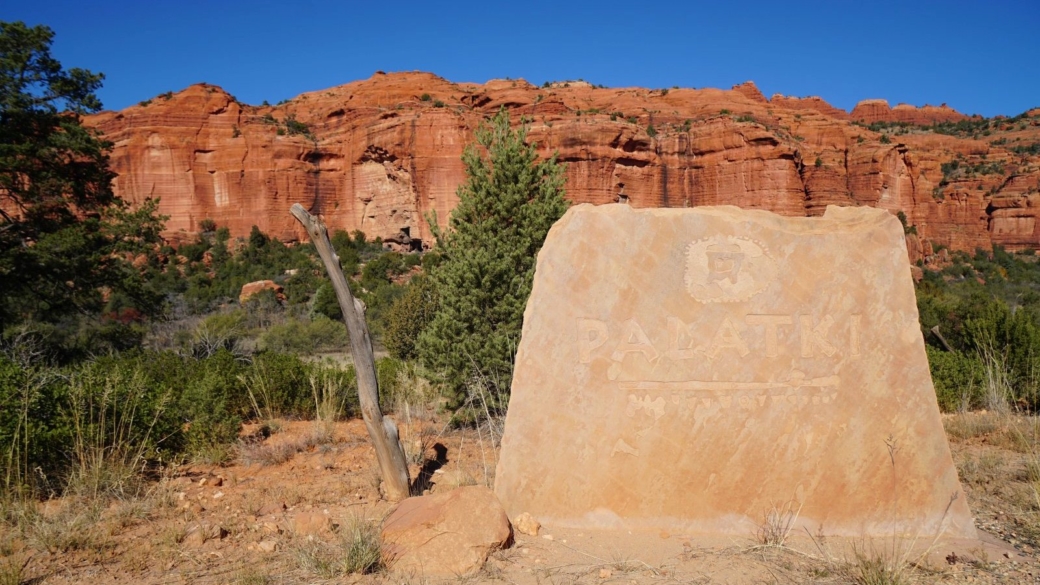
pixel 870 111
pixel 382 154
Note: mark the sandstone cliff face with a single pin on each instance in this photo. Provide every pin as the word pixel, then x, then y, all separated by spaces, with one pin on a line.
pixel 382 154
pixel 870 111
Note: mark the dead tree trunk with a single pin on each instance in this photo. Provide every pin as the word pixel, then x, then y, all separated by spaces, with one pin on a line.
pixel 942 340
pixel 382 430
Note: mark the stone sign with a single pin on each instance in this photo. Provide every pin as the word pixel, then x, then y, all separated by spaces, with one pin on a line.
pixel 695 369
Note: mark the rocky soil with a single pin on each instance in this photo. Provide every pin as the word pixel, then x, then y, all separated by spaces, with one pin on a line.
pixel 284 510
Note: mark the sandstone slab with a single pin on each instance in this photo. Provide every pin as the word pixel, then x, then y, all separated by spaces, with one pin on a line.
pixel 446 534
pixel 692 370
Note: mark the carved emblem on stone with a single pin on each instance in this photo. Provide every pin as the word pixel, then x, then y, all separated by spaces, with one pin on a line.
pixel 727 269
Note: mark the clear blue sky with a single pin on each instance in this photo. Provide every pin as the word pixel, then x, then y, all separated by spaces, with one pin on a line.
pixel 978 57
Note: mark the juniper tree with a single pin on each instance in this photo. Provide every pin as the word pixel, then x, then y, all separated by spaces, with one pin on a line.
pixel 506 206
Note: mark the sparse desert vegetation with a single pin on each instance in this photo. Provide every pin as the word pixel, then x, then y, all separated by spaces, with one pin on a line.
pixel 156 426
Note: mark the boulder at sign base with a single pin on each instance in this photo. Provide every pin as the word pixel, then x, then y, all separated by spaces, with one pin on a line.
pixel 690 370
pixel 446 534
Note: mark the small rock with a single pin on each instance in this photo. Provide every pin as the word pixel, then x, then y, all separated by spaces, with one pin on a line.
pixel 267 545
pixel 217 481
pixel 526 524
pixel 218 495
pixel 272 508
pixel 547 536
pixel 195 537
pixel 307 523
pixel 199 534
pixel 454 478
pixel 605 573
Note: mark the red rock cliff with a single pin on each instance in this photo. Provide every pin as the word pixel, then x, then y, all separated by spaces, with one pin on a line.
pixel 381 154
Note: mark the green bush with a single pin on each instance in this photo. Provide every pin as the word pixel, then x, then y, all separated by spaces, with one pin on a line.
pixel 305 337
pixel 33 438
pixel 59 424
pixel 408 316
pixel 294 126
pixel 325 304
pixel 987 308
pixel 388 376
pixel 280 384
pixel 219 331
pixel 213 403
pixel 134 378
pixel 957 377
pixel 347 251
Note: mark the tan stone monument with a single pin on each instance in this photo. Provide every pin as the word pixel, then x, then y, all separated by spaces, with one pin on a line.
pixel 694 369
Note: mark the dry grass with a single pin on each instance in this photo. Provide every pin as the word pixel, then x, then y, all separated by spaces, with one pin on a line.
pixel 970 425
pixel 13 569
pixel 328 405
pixel 620 563
pixel 981 469
pixel 488 420
pixel 253 576
pixel 879 569
pixel 173 535
pixel 889 561
pixel 415 451
pixel 260 394
pixel 357 549
pixel 109 452
pixel 414 397
pixel 266 453
pixel 778 523
pixel 75 526
pixel 1002 465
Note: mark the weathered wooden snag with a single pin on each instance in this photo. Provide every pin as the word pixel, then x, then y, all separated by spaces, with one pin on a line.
pixel 382 430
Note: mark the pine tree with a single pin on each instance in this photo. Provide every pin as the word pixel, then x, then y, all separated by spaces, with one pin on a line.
pixel 64 235
pixel 506 207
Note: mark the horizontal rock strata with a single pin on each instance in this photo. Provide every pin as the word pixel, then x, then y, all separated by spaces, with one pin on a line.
pixel 382 154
